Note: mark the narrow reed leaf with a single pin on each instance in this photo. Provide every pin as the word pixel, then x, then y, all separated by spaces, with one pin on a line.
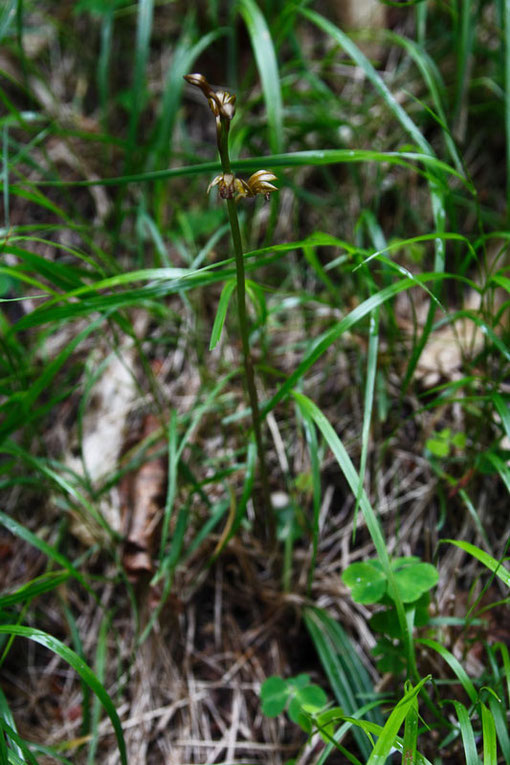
pixel 221 313
pixel 313 451
pixel 503 410
pixel 464 50
pixel 505 655
pixel 491 563
pixel 100 666
pixel 498 712
pixel 313 157
pixel 328 338
pixel 347 676
pixel 468 736
pixel 265 56
pixel 490 749
pixel 20 753
pixel 432 78
pixel 41 584
pixel 7 18
pixel 79 666
pixel 172 485
pixel 6 716
pixel 28 536
pixel 410 734
pixel 362 61
pixel 389 733
pixel 143 34
pixel 506 44
pixel 454 665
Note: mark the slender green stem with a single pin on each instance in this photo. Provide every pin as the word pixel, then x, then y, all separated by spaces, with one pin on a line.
pixel 263 510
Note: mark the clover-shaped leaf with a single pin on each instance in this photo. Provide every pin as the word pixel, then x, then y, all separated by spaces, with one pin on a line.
pixel 274 693
pixel 366 581
pixel 306 701
pixel 415 580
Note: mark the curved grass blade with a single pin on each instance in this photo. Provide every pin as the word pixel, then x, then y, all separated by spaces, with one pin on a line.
pixel 21 411
pixel 265 57
pixel 221 313
pixel 28 536
pixel 143 33
pixel 491 563
pixel 432 78
pixel 373 525
pixel 41 584
pixel 498 712
pixel 468 736
pixel 313 157
pixel 329 337
pixel 434 179
pixel 503 411
pixel 490 749
pixel 347 676
pixel 389 733
pixel 454 665
pixel 410 734
pixel 313 451
pixel 100 663
pixel 362 61
pixel 79 666
pixel 9 725
pixel 506 32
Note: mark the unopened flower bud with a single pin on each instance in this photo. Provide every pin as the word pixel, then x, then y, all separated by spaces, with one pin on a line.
pixel 221 103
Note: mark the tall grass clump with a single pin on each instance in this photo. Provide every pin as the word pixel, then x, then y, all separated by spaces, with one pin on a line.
pixel 276 533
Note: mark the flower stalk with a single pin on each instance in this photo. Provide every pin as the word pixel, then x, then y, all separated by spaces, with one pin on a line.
pixel 230 188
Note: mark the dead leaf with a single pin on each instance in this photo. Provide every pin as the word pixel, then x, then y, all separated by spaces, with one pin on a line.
pixel 143 494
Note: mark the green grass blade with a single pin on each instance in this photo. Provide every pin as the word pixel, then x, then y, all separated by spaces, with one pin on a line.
pixel 498 712
pixel 362 61
pixel 464 50
pixel 347 676
pixel 27 536
pixel 41 584
pixel 265 57
pixel 313 451
pixel 491 563
pixel 432 78
pixel 410 734
pixel 505 655
pixel 172 484
pixel 468 736
pixel 389 733
pixel 373 345
pixel 503 411
pixel 143 34
pixel 490 753
pixel 313 157
pixel 373 525
pixel 100 665
pixel 79 666
pixel 454 665
pixel 328 338
pixel 7 17
pixel 7 717
pixel 221 313
pixel 506 13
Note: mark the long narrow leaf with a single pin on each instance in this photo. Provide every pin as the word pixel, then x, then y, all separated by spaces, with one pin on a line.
pixel 79 666
pixel 491 563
